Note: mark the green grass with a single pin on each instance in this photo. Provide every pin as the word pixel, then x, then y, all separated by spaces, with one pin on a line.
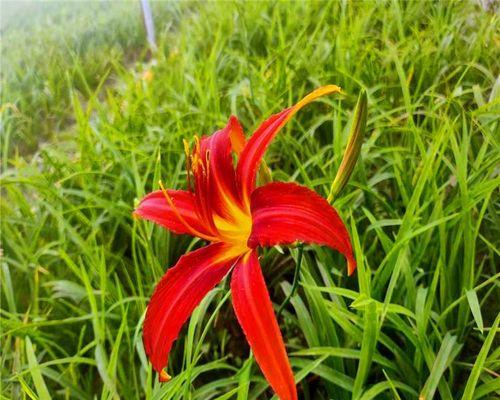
pixel 84 137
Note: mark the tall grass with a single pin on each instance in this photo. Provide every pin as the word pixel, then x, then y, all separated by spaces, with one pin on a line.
pixel 420 315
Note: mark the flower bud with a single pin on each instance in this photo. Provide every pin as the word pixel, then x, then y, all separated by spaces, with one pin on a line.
pixel 351 154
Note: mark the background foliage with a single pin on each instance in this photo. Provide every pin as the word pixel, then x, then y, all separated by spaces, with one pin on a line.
pixel 90 123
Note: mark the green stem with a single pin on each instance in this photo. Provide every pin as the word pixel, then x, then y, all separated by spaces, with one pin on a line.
pixel 295 280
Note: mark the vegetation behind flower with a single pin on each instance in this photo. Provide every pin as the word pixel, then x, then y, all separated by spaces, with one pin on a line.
pixel 419 315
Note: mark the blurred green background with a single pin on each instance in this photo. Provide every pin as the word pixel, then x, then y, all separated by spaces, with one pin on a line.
pixel 91 119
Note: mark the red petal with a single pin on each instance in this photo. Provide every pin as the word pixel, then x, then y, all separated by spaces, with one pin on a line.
pixel 182 218
pixel 257 145
pixel 176 296
pixel 221 188
pixel 255 314
pixel 283 213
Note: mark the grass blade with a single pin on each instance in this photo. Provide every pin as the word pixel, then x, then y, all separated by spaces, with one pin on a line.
pixel 475 308
pixel 36 374
pixel 480 360
pixel 370 335
pixel 441 362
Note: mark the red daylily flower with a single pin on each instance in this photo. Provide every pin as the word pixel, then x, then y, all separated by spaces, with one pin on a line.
pixel 225 208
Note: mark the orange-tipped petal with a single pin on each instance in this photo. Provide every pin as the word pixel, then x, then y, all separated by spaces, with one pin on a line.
pixel 164 377
pixel 176 296
pixel 175 210
pixel 284 213
pixel 257 145
pixel 254 311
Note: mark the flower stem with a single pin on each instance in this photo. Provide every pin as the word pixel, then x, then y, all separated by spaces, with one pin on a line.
pixel 295 280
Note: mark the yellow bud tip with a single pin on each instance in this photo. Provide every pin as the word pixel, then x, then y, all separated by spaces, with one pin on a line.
pixel 164 377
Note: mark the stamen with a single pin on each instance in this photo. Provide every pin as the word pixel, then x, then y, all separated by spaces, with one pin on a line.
pixel 202 165
pixel 197 164
pixel 207 163
pixel 181 218
pixel 187 150
pixel 197 144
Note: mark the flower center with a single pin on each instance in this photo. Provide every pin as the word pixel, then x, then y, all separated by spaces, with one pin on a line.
pixel 235 231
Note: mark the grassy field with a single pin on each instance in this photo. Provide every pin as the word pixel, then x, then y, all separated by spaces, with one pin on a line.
pixel 90 123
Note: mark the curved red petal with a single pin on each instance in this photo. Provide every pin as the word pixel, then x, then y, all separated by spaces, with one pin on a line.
pixel 254 311
pixel 283 213
pixel 181 218
pixel 257 145
pixel 176 296
pixel 220 190
pixel 253 152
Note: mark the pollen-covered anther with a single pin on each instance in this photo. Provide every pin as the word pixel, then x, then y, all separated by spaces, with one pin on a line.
pixel 197 164
pixel 197 146
pixel 187 150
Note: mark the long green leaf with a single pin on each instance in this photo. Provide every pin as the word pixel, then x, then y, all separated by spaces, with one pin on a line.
pixel 480 360
pixel 40 386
